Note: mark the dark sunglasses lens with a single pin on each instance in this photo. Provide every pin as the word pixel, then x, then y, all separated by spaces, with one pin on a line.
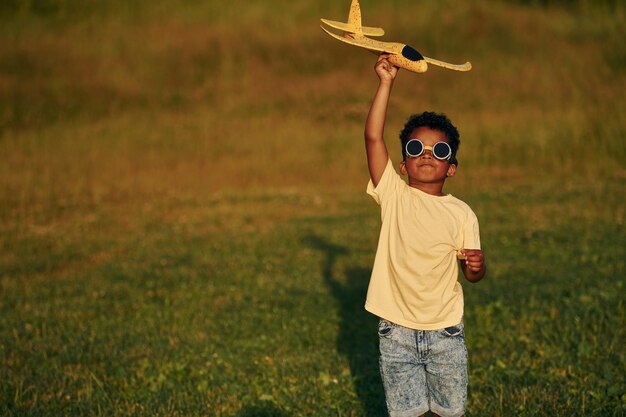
pixel 414 147
pixel 442 150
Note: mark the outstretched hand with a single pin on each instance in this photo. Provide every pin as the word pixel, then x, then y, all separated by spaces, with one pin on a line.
pixel 386 70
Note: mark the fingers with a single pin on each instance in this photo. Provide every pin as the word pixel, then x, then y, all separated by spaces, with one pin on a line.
pixel 474 259
pixel 383 57
pixel 383 66
pixel 474 266
pixel 382 62
pixel 472 253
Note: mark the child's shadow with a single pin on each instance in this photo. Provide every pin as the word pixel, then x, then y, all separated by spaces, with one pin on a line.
pixel 357 339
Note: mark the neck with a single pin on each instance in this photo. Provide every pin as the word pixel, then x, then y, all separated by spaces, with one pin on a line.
pixel 432 188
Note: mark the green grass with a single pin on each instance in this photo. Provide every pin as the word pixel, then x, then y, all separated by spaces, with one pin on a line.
pixel 252 305
pixel 184 228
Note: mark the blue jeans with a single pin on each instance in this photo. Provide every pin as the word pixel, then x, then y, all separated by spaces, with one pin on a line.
pixel 423 370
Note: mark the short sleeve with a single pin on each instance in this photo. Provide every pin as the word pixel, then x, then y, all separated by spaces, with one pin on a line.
pixel 387 186
pixel 471 237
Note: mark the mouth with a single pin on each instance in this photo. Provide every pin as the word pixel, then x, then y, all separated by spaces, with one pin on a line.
pixel 426 165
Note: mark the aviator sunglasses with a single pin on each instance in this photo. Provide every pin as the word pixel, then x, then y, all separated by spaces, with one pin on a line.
pixel 441 150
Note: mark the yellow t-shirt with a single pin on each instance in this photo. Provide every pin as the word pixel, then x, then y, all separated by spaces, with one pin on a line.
pixel 414 280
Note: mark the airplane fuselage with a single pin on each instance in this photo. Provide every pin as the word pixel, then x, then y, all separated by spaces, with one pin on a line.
pixel 403 56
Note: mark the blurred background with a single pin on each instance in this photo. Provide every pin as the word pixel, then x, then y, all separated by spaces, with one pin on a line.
pixel 105 99
pixel 168 166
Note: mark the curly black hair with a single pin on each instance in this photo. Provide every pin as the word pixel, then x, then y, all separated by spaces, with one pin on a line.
pixel 436 121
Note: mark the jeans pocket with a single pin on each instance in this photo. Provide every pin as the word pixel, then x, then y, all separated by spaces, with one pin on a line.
pixel 453 331
pixel 385 328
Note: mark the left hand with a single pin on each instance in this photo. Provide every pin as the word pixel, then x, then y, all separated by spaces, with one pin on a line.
pixel 474 259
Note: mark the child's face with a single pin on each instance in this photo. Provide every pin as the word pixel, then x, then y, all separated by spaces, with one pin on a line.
pixel 426 169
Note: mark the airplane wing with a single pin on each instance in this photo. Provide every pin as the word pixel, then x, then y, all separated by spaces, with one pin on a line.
pixel 463 67
pixel 369 44
pixel 365 30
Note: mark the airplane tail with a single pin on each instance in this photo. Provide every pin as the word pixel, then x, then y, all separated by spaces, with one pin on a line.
pixel 353 27
pixel 354 17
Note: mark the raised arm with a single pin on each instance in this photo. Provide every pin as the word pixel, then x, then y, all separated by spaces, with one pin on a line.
pixel 377 155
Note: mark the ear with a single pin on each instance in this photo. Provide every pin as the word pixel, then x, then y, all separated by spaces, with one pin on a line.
pixel 451 170
pixel 403 168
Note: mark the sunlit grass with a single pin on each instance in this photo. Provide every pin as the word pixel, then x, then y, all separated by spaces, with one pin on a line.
pixel 250 303
pixel 184 229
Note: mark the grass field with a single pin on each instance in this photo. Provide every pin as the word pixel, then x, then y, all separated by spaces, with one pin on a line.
pixel 184 228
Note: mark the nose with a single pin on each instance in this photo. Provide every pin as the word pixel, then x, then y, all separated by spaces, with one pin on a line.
pixel 427 153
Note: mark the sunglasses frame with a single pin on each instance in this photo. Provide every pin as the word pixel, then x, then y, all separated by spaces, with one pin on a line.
pixel 429 148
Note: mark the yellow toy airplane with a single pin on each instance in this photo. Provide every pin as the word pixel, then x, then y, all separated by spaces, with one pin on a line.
pixel 402 55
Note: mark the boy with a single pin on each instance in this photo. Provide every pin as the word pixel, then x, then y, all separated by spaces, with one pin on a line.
pixel 414 287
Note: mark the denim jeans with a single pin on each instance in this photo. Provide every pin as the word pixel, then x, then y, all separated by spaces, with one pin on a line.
pixel 423 370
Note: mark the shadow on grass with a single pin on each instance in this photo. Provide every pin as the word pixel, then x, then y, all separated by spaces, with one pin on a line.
pixel 262 409
pixel 358 337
